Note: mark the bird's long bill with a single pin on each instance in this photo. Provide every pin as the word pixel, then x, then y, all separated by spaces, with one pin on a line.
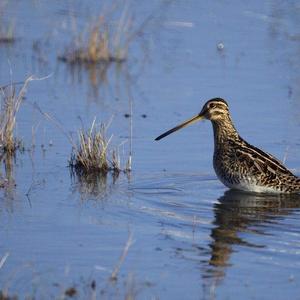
pixel 182 125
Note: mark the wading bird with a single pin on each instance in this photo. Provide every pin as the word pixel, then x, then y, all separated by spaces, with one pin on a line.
pixel 238 164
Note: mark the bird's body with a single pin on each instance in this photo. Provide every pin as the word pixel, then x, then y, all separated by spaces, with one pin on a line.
pixel 238 164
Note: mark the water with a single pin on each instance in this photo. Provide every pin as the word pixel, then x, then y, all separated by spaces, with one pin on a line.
pixel 191 237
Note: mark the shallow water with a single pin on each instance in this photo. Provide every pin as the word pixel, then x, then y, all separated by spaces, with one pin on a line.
pixel 192 238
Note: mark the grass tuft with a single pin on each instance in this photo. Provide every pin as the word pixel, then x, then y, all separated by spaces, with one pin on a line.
pixel 92 154
pixel 10 102
pixel 102 42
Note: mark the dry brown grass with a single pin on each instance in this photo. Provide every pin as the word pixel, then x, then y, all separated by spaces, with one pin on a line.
pixel 102 42
pixel 92 154
pixel 10 102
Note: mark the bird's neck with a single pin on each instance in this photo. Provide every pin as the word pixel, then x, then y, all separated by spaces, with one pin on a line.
pixel 224 131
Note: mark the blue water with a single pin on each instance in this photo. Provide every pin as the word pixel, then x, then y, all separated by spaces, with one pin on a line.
pixel 192 238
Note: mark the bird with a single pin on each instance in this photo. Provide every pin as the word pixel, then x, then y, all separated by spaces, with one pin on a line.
pixel 239 165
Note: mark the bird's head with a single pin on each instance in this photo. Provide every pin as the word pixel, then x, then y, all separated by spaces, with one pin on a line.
pixel 214 109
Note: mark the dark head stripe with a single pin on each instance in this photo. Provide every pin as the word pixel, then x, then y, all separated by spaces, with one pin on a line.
pixel 218 100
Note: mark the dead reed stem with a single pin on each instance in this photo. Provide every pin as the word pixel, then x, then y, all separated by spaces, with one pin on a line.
pixel 3 259
pixel 115 272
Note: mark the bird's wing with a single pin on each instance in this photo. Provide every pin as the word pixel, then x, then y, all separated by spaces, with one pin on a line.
pixel 263 162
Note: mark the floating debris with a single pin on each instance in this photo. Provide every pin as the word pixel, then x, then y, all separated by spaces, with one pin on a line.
pixel 220 46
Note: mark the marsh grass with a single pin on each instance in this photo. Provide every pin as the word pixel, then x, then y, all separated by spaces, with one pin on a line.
pixel 102 42
pixel 92 154
pixel 10 102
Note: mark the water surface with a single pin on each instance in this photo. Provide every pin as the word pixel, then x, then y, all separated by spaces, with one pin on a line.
pixel 192 238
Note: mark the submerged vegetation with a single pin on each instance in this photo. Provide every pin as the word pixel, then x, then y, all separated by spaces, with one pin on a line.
pixel 7 35
pixel 10 102
pixel 7 29
pixel 102 42
pixel 92 154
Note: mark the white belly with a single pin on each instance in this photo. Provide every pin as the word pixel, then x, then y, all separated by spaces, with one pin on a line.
pixel 250 186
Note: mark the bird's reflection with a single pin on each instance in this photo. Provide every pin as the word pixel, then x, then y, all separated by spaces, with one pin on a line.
pixel 237 212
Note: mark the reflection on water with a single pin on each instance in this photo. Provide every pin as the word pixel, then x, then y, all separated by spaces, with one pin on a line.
pixel 237 212
pixel 99 77
pixel 8 185
pixel 94 185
